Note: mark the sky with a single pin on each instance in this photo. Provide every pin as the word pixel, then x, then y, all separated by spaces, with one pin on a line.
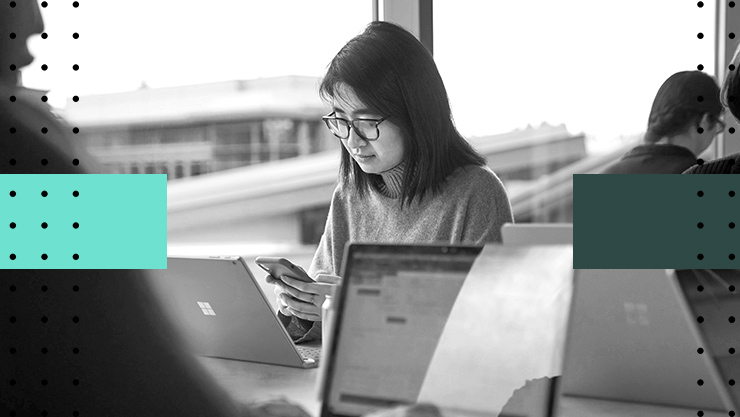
pixel 593 65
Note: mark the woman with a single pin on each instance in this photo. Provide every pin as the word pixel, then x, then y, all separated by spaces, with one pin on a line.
pixel 680 127
pixel 730 96
pixel 407 175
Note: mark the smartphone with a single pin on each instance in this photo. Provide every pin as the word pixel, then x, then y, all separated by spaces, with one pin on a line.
pixel 278 267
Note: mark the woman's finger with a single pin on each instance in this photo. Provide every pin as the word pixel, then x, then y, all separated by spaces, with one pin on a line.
pixel 301 306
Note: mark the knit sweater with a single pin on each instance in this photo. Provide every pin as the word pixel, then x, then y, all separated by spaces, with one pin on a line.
pixel 727 165
pixel 470 208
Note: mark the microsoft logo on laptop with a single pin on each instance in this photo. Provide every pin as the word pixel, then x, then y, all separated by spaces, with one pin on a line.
pixel 206 309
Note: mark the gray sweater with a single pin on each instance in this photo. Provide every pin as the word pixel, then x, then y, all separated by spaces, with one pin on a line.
pixel 470 208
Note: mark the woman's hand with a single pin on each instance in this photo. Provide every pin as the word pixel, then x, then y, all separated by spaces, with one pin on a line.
pixel 303 299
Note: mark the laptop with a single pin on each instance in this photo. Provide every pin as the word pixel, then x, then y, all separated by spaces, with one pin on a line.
pixel 440 324
pixel 222 311
pixel 525 234
pixel 629 340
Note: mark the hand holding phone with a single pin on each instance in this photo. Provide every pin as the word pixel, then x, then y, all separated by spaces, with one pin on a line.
pixel 278 267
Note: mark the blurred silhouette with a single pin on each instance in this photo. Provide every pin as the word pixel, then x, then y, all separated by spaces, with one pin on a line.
pixel 684 119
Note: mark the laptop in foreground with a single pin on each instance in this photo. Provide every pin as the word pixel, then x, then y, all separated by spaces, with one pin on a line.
pixel 222 311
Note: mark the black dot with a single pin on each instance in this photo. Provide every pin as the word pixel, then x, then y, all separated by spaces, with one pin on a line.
pixel 44 4
pixel 75 67
pixel 700 413
pixel 700 4
pixel 700 161
pixel 700 225
pixel 44 351
pixel 730 98
pixel 44 225
pixel 12 35
pixel 732 194
pixel 75 413
pixel 700 130
pixel 732 351
pixel 12 130
pixel 732 382
pixel 700 67
pixel 12 382
pixel 12 351
pixel 44 35
pixel 732 256
pixel 44 413
pixel 75 319
pixel 76 4
pixel 75 225
pixel 731 35
pixel 731 413
pixel 75 99
pixel 44 288
pixel 44 130
pixel 731 130
pixel 12 257
pixel 44 162
pixel 44 67
pixel 76 35
pixel 732 288
pixel 75 382
pixel 44 382
pixel 12 4
pixel 12 288
pixel 700 193
pixel 12 225
pixel 12 162
pixel 44 256
pixel 75 256
pixel 732 225
pixel 75 351
pixel 75 162
pixel 700 99
pixel 12 99
pixel 731 67
pixel 700 256
pixel 75 130
pixel 700 319
pixel 732 4
pixel 12 319
pixel 731 319
pixel 700 350
pixel 12 193
pixel 75 193
pixel 44 99
pixel 75 288
pixel 700 35
pixel 700 382
pixel 44 193
pixel 44 319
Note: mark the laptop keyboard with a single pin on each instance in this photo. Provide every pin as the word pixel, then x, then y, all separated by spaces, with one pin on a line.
pixel 310 352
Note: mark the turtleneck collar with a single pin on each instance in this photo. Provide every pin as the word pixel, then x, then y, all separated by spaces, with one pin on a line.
pixel 392 181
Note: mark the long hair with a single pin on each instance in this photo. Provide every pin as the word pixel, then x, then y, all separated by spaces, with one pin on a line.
pixel 681 102
pixel 730 94
pixel 394 74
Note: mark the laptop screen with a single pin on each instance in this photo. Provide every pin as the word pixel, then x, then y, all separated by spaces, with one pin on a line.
pixel 400 298
pixel 713 296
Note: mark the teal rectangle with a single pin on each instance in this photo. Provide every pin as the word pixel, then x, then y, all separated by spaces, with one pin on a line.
pixel 122 221
pixel 652 221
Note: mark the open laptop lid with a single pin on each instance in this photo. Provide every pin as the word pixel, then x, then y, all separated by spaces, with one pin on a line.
pixel 714 296
pixel 628 340
pixel 470 357
pixel 529 234
pixel 220 308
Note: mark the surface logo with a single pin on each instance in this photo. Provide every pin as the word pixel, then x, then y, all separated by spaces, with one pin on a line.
pixel 206 309
pixel 637 314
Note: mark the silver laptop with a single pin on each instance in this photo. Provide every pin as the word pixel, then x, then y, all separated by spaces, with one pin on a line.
pixel 221 309
pixel 630 339
pixel 527 234
pixel 443 324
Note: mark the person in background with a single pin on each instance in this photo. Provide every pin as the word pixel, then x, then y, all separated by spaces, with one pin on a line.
pixel 84 342
pixel 684 119
pixel 730 96
pixel 406 175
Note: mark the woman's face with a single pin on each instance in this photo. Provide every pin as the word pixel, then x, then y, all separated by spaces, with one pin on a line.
pixel 376 156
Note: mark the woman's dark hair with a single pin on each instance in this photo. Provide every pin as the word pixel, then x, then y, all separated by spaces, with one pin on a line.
pixel 731 87
pixel 394 74
pixel 681 102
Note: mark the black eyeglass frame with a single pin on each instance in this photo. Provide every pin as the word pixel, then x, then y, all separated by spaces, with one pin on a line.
pixel 351 125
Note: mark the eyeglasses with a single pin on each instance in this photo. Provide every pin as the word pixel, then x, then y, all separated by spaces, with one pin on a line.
pixel 367 129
